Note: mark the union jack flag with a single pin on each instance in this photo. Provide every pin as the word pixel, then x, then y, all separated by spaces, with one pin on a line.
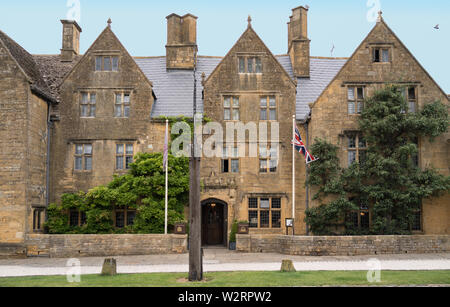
pixel 300 147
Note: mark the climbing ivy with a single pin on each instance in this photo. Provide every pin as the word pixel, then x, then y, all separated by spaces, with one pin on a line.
pixel 388 180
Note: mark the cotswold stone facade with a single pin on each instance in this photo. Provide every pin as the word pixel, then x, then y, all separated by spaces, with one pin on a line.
pixel 69 122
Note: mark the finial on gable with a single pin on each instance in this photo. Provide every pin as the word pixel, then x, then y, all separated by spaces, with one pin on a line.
pixel 109 22
pixel 249 19
pixel 380 17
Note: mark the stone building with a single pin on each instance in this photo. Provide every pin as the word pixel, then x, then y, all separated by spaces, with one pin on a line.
pixel 71 121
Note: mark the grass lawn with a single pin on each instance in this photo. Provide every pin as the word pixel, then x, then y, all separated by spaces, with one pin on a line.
pixel 236 279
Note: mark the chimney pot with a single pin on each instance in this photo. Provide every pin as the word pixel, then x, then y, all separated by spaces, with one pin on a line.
pixel 70 40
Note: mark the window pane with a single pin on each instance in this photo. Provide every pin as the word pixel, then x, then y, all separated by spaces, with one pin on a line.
pixel 258 66
pixel 88 149
pixel 276 203
pixel 365 220
pixel 264 203
pixel 120 219
pixel 273 164
pixel 130 217
pixel 253 219
pixel 73 218
pixel 115 63
pixel 264 218
pixel 92 113
pixel 119 149
pixel 412 93
pixel 126 111
pixel 376 55
pixel 227 102
pixel 351 107
pixel 225 166
pixel 250 65
pixel 225 152
pixel 107 64
pixel 118 111
pixel 98 63
pixel 412 107
pixel 235 101
pixel 84 97
pixel 235 114
pixel 276 219
pixel 273 114
pixel 242 65
pixel 126 99
pixel 351 93
pixel 128 161
pixel 84 110
pixel 118 98
pixel 417 221
pixel 263 152
pixel 263 102
pixel 351 142
pixel 119 162
pixel 360 93
pixel 129 149
pixel 385 55
pixel 88 163
pixel 253 203
pixel 263 114
pixel 360 107
pixel 351 157
pixel 93 98
pixel 362 142
pixel 235 166
pixel 79 149
pixel 78 163
pixel 227 114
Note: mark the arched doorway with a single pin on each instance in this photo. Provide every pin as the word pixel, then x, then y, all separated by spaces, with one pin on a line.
pixel 214 222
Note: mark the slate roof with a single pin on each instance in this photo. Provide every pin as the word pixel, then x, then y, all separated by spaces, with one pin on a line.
pixel 29 67
pixel 175 89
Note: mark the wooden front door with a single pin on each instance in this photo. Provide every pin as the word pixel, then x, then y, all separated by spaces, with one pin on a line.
pixel 212 224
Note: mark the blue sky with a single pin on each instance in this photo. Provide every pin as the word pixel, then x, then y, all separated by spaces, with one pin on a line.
pixel 141 25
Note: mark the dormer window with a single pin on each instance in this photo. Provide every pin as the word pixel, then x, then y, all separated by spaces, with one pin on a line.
pixel 381 55
pixel 250 65
pixel 106 63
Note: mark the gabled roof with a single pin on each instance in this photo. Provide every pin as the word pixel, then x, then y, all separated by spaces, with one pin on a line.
pixel 27 64
pixel 175 89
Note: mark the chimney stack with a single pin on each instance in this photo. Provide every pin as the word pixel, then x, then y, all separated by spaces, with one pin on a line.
pixel 70 41
pixel 298 42
pixel 181 47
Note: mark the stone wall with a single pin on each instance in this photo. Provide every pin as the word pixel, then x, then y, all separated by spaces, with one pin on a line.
pixel 68 246
pixel 343 246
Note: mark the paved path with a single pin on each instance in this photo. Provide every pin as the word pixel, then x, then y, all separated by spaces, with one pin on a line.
pixel 224 260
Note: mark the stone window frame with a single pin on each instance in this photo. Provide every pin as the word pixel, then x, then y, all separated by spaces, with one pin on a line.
pixel 230 158
pixel 267 159
pixel 381 48
pixel 255 207
pixel 247 61
pixel 357 217
pixel 90 104
pixel 357 100
pixel 268 107
pixel 99 63
pixel 125 211
pixel 125 155
pixel 81 218
pixel 233 105
pixel 84 156
pixel 357 148
pixel 123 104
pixel 411 97
pixel 37 218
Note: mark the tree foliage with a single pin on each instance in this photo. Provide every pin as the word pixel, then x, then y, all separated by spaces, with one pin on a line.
pixel 143 189
pixel 388 180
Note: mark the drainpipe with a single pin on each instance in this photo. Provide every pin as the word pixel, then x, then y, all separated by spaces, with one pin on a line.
pixel 47 164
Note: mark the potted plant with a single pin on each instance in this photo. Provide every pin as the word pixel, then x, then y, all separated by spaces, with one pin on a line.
pixel 243 228
pixel 232 241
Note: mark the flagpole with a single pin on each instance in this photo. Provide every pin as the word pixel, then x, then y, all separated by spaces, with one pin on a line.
pixel 167 179
pixel 293 173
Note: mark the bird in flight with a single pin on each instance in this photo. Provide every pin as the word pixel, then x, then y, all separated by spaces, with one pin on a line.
pixel 437 27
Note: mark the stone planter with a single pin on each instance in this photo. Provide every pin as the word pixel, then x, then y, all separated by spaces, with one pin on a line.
pixel 243 228
pixel 180 228
pixel 232 246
